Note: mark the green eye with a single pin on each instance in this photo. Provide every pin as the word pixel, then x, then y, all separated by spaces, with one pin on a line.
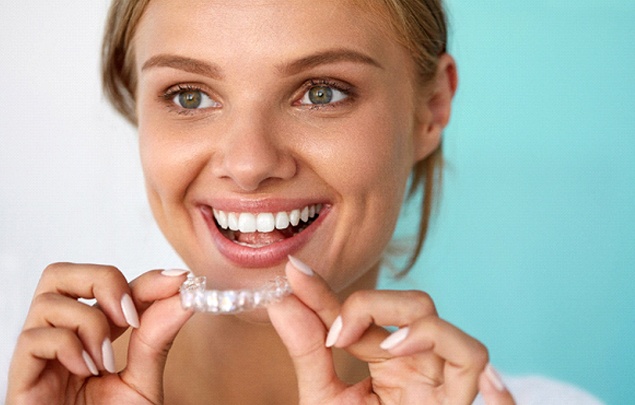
pixel 322 94
pixel 192 99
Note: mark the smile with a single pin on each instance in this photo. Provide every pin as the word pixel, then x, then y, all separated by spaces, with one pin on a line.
pixel 257 230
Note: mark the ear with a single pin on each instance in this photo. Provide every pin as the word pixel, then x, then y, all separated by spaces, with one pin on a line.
pixel 434 108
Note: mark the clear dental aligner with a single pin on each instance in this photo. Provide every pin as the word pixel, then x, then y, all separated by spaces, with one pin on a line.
pixel 195 296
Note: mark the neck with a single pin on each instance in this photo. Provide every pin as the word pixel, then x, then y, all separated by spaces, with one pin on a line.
pixel 230 360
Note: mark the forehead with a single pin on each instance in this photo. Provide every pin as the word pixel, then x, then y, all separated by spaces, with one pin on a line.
pixel 225 30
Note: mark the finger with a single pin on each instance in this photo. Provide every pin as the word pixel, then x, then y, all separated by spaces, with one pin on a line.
pixel 156 294
pixel 39 346
pixel 464 357
pixel 310 288
pixel 155 285
pixel 104 283
pixel 50 310
pixel 493 389
pixel 363 309
pixel 302 332
pixel 385 308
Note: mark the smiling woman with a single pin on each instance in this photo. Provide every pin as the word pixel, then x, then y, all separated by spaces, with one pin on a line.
pixel 263 147
pixel 271 134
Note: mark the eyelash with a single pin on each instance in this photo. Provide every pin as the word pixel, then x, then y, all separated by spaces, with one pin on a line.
pixel 170 93
pixel 344 88
pixel 168 96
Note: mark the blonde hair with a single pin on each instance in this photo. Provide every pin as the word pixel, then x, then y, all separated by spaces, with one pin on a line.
pixel 419 25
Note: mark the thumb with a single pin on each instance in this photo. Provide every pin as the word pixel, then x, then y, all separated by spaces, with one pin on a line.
pixel 492 389
pixel 160 323
pixel 303 334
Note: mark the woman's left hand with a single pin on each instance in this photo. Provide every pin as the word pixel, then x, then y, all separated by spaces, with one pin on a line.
pixel 426 361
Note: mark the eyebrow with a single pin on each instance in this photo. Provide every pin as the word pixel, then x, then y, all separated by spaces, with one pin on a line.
pixel 325 58
pixel 212 70
pixel 195 66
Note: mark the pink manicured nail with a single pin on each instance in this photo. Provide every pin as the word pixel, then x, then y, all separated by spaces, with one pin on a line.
pixel 334 332
pixel 394 339
pixel 174 272
pixel 129 311
pixel 300 266
pixel 108 356
pixel 90 363
pixel 494 378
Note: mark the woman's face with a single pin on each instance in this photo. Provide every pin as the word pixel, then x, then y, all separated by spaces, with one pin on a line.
pixel 255 111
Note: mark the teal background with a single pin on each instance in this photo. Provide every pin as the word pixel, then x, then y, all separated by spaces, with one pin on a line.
pixel 533 246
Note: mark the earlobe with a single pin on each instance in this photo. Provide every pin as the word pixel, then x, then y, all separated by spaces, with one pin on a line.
pixel 435 108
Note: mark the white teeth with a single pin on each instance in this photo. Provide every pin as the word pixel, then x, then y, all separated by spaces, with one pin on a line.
pixel 282 220
pixel 294 217
pixel 264 222
pixel 232 221
pixel 247 222
pixel 221 217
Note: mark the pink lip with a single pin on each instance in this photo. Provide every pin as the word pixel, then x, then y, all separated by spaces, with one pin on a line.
pixel 267 256
pixel 257 206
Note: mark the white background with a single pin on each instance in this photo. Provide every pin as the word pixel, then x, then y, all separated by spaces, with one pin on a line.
pixel 71 187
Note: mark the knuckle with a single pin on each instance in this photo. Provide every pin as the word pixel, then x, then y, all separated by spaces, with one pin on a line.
pixel 41 306
pixel 422 300
pixel 55 310
pixel 25 338
pixel 53 269
pixel 36 336
pixel 43 300
pixel 480 355
pixel 358 299
pixel 100 320
pixel 111 275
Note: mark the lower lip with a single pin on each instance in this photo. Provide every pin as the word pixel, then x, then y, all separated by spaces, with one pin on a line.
pixel 266 256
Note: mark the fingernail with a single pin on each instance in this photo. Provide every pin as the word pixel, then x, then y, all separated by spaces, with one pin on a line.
pixel 394 339
pixel 334 332
pixel 494 378
pixel 300 266
pixel 108 356
pixel 90 363
pixel 129 311
pixel 174 272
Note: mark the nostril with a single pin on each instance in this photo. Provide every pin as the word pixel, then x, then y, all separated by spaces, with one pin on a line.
pixel 251 172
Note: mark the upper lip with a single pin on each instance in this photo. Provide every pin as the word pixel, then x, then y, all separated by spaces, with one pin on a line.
pixel 261 206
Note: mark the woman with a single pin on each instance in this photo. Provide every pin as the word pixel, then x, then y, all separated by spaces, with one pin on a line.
pixel 272 134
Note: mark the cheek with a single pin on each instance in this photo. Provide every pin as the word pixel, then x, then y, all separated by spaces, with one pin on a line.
pixel 376 160
pixel 169 164
pixel 368 166
pixel 156 164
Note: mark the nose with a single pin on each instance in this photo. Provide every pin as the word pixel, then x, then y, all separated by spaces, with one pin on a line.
pixel 252 151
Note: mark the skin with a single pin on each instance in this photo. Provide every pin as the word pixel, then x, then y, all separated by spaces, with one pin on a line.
pixel 258 145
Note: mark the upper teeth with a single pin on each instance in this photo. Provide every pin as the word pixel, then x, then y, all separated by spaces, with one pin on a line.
pixel 247 222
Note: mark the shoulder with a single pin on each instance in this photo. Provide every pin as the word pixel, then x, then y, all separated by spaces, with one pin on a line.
pixel 536 390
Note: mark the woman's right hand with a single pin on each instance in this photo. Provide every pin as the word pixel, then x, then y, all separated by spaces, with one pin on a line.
pixel 64 353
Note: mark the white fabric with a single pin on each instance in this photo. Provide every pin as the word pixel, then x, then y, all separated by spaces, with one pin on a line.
pixel 535 390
